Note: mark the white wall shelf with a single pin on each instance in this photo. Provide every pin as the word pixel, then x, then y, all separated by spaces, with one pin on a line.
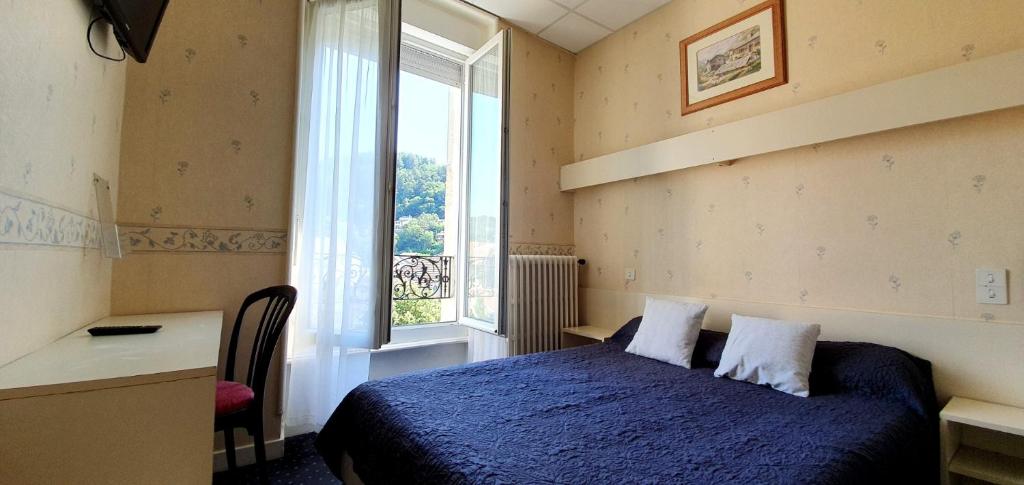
pixel 962 459
pixel 584 335
pixel 988 466
pixel 590 331
pixel 964 89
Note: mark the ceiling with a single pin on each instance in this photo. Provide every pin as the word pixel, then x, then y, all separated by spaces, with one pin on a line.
pixel 572 24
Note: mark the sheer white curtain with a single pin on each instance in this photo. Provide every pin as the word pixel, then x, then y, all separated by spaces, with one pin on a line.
pixel 339 226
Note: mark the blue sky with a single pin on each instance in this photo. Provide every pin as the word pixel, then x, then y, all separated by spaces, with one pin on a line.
pixel 423 130
pixel 423 117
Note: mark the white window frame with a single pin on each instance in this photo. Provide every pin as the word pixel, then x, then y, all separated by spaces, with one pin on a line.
pixel 457 52
pixel 448 329
pixel 502 39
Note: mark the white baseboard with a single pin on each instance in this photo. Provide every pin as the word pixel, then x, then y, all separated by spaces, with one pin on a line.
pixel 246 454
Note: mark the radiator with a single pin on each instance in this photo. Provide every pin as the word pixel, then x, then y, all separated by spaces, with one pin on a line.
pixel 542 300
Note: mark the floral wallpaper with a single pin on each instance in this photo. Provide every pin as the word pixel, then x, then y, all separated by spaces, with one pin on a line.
pixel 627 87
pixel 208 138
pixel 206 161
pixel 60 122
pixel 891 222
pixel 540 118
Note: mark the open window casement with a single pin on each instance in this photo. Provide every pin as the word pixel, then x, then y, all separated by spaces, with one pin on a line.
pixel 483 241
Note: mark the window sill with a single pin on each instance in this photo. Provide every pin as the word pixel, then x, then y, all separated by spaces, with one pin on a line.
pixel 411 335
pixel 417 326
pixel 421 343
pixel 488 328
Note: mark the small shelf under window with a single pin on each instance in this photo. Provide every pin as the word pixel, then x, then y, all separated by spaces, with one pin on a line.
pixel 585 334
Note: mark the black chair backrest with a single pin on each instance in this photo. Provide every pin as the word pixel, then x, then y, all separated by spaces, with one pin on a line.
pixel 280 301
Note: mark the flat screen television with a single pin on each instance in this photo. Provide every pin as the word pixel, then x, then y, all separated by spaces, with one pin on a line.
pixel 135 23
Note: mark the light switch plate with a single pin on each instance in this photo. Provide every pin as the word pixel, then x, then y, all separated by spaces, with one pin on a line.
pixel 988 276
pixel 630 274
pixel 990 286
pixel 991 295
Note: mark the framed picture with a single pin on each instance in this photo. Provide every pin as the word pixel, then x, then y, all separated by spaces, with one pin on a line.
pixel 737 57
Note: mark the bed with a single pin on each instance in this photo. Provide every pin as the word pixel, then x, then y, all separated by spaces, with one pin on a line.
pixel 596 414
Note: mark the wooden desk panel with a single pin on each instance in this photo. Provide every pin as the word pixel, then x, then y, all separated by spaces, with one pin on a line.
pixel 149 433
pixel 122 409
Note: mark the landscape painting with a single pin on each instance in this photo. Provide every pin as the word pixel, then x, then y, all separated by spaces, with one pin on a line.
pixel 737 57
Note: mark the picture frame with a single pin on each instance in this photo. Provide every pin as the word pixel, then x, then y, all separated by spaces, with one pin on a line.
pixel 730 59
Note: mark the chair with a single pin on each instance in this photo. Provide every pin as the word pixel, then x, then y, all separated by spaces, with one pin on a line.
pixel 240 403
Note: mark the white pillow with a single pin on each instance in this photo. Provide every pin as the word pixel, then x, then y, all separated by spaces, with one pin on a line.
pixel 773 352
pixel 668 331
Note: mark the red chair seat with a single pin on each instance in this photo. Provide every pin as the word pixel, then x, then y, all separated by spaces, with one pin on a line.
pixel 233 397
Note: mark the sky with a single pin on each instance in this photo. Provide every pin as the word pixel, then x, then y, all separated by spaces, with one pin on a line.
pixel 423 130
pixel 423 117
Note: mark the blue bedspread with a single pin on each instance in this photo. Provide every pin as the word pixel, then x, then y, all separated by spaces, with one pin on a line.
pixel 596 414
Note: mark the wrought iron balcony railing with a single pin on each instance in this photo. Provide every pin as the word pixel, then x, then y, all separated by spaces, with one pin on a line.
pixel 421 277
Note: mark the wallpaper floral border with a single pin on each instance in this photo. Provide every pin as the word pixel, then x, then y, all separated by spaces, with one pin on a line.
pixel 141 239
pixel 185 239
pixel 542 249
pixel 30 222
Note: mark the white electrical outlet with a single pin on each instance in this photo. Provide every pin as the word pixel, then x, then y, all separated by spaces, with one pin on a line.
pixel 630 274
pixel 990 286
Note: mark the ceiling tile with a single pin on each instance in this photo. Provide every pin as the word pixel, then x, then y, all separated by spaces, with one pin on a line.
pixel 616 14
pixel 532 15
pixel 570 3
pixel 574 32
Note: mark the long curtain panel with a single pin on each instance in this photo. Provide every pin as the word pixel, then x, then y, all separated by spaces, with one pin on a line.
pixel 340 228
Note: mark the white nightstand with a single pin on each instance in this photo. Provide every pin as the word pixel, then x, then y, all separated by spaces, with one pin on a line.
pixel 584 335
pixel 969 429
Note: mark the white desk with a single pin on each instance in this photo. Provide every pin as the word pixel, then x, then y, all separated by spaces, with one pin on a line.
pixel 119 409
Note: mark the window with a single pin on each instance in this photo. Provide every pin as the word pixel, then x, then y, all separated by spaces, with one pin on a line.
pixel 426 186
pixel 484 242
pixel 449 241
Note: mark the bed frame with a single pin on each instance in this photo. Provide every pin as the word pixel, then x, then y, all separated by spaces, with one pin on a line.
pixel 348 473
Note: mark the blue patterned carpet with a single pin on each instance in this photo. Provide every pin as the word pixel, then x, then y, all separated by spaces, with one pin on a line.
pixel 300 465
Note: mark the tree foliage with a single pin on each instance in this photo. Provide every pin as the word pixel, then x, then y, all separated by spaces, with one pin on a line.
pixel 419 205
pixel 415 312
pixel 420 235
pixel 419 186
